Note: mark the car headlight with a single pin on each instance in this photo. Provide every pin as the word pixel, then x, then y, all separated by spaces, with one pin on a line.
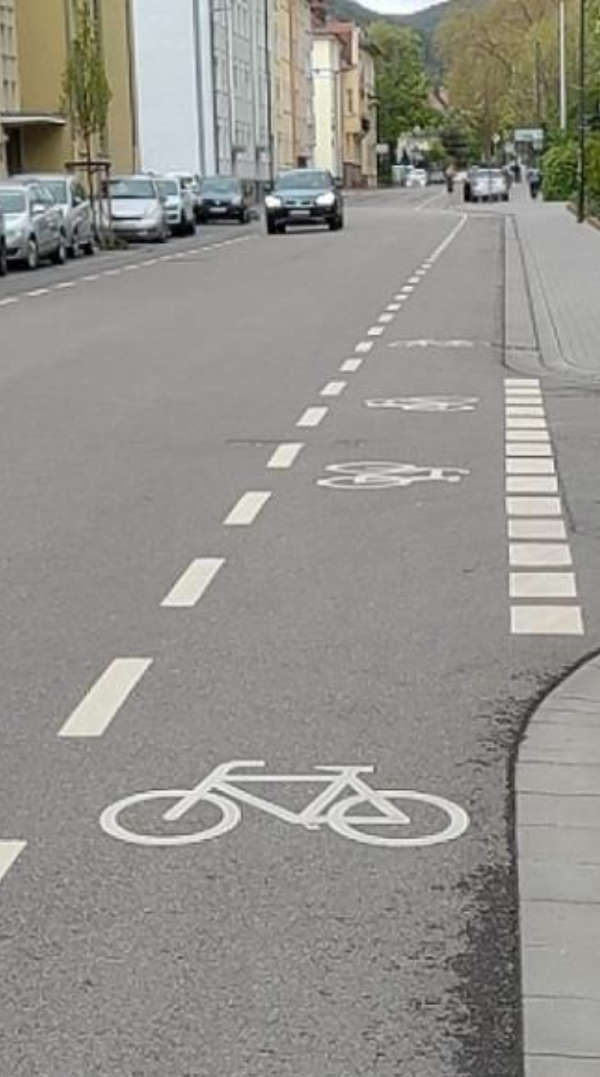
pixel 326 199
pixel 272 201
pixel 236 200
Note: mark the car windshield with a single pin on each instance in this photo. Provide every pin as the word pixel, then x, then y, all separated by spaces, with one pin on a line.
pixel 168 187
pixel 132 188
pixel 220 186
pixel 58 190
pixel 12 201
pixel 303 179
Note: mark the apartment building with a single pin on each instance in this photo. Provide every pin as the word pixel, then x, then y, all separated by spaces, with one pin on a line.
pixel 329 58
pixel 42 137
pixel 294 132
pixel 9 83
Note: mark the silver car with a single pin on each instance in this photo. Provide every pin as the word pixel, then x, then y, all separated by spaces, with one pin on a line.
pixel 137 208
pixel 76 210
pixel 489 185
pixel 179 205
pixel 193 185
pixel 33 222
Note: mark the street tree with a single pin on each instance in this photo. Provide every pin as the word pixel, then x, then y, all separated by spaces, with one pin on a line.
pixel 86 92
pixel 402 84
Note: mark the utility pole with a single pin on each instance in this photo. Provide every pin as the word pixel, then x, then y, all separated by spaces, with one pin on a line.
pixel 581 96
pixel 562 63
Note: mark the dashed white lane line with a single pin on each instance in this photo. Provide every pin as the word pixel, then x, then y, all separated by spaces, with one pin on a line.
pixel 527 448
pixel 285 454
pixel 546 620
pixel 414 280
pixel 542 585
pixel 9 851
pixel 408 288
pixel 385 318
pixel 533 506
pixel 530 554
pixel 91 277
pixel 350 366
pixel 246 510
pixel 9 301
pixel 537 529
pixel 531 410
pixel 333 388
pixel 522 383
pixel 375 331
pixel 531 484
pixel 64 284
pixel 364 346
pixel 38 291
pixel 192 584
pixel 530 466
pixel 97 709
pixel 112 272
pixel 312 416
pixel 400 297
pixel 527 435
pixel 393 306
pixel 518 423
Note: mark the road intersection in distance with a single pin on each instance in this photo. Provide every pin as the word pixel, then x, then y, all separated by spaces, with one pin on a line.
pixel 189 587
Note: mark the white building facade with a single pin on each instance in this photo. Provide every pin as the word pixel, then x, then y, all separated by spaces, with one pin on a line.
pixel 327 67
pixel 201 78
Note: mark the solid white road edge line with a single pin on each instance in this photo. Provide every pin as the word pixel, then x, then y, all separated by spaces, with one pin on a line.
pixel 192 584
pixel 247 508
pixel 98 707
pixel 9 851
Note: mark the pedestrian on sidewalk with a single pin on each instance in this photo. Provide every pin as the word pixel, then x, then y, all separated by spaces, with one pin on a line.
pixel 534 179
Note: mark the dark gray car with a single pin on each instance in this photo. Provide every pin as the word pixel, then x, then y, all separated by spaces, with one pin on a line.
pixel 304 196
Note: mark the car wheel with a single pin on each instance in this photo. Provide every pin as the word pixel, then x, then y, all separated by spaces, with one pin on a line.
pixel 32 259
pixel 59 256
pixel 3 261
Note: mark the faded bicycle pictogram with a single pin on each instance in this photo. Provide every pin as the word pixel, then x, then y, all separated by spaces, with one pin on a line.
pixel 381 474
pixel 347 805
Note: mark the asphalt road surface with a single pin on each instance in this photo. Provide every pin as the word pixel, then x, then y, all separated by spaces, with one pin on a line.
pixel 210 554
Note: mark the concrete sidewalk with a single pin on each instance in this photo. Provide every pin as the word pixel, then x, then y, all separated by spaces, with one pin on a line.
pixel 562 262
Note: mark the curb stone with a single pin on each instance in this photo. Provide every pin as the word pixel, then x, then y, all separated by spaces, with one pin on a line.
pixel 558 847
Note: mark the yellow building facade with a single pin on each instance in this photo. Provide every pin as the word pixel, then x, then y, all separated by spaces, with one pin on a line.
pixel 291 44
pixel 10 99
pixel 43 138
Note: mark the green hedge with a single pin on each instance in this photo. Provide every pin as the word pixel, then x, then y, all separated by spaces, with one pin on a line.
pixel 559 172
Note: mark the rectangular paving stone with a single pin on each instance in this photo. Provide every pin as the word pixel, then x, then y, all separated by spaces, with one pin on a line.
pixel 574 845
pixel 568 743
pixel 560 970
pixel 539 809
pixel 548 881
pixel 562 1027
pixel 553 778
pixel 561 1066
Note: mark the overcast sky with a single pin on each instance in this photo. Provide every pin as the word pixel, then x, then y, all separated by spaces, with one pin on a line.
pixel 398 7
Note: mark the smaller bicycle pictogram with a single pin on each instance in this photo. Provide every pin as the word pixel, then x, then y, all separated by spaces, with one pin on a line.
pixel 382 474
pixel 425 403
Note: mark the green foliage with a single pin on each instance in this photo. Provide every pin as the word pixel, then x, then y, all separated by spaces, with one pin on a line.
pixel 460 141
pixel 592 167
pixel 559 171
pixel 86 93
pixel 402 86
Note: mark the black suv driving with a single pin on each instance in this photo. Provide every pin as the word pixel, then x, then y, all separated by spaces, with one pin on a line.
pixel 304 196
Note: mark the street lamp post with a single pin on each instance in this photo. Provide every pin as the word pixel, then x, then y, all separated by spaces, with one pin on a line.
pixel 562 64
pixel 581 120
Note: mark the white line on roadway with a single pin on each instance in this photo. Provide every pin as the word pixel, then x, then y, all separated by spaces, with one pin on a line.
pixel 9 851
pixel 532 466
pixel 38 291
pixel 192 584
pixel 527 410
pixel 527 448
pixel 542 585
pixel 333 388
pixel 518 422
pixel 408 288
pixel 247 508
pixel 527 435
pixel 285 454
pixel 414 280
pixel 393 306
pixel 548 554
pixel 531 484
pixel 65 284
pixel 9 301
pixel 97 709
pixel 350 366
pixel 385 318
pixel 439 250
pixel 546 620
pixel 533 506
pixel 400 297
pixel 92 276
pixel 375 331
pixel 428 201
pixel 522 382
pixel 364 346
pixel 312 416
pixel 537 529
pixel 112 272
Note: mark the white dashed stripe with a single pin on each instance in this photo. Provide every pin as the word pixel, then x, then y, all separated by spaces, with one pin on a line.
pixel 333 388
pixel 98 708
pixel 350 366
pixel 192 584
pixel 312 416
pixel 285 454
pixel 247 508
pixel 9 851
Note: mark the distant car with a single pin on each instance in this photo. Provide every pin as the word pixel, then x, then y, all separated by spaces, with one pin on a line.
pixel 304 196
pixel 416 177
pixel 468 182
pixel 33 223
pixel 3 255
pixel 179 205
pixel 437 175
pixel 70 195
pixel 193 184
pixel 489 185
pixel 137 208
pixel 223 198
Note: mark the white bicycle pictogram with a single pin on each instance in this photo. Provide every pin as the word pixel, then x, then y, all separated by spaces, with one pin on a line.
pixel 425 403
pixel 221 790
pixel 379 474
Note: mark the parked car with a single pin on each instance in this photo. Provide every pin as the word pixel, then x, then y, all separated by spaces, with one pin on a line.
pixel 224 198
pixel 179 205
pixel 137 208
pixel 437 175
pixel 33 223
pixel 416 177
pixel 468 182
pixel 3 255
pixel 304 196
pixel 489 185
pixel 70 195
